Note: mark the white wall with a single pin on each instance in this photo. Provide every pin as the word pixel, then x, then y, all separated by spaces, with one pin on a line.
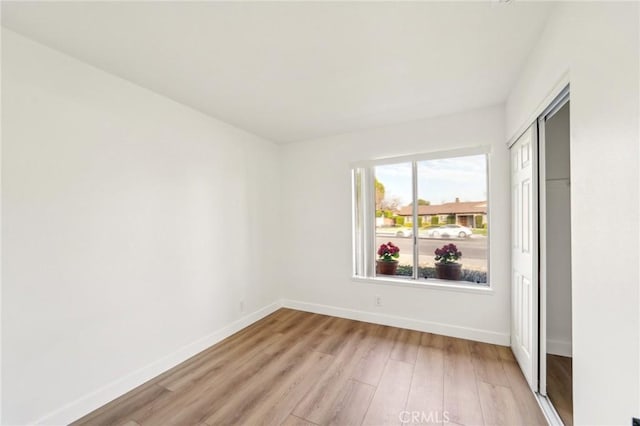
pixel 558 221
pixel 317 203
pixel 133 228
pixel 597 44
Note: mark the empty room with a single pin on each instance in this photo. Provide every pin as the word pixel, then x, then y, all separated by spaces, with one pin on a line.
pixel 320 213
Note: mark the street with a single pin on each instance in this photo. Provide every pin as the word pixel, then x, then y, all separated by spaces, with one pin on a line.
pixel 474 249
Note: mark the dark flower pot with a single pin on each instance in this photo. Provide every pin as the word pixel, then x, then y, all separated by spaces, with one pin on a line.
pixel 449 271
pixel 386 267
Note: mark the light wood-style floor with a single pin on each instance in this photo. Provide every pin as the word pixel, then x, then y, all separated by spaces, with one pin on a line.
pixel 560 386
pixel 297 368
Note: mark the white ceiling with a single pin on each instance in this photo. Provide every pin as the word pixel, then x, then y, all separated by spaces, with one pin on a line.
pixel 297 71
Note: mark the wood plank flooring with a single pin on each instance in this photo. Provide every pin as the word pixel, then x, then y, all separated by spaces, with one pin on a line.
pixel 297 368
pixel 560 386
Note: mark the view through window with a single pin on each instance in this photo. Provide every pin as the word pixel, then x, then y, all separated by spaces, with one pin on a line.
pixel 430 219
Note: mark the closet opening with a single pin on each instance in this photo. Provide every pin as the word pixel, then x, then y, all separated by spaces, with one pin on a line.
pixel 556 375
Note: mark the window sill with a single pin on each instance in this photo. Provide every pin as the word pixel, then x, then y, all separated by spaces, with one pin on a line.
pixel 431 283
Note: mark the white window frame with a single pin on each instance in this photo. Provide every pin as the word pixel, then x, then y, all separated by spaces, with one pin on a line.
pixel 364 240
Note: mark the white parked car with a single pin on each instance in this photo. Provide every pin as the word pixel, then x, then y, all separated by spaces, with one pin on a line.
pixel 450 231
pixel 404 232
pixel 394 232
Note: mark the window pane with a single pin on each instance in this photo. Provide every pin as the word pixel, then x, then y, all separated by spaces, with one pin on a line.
pixel 393 189
pixel 452 209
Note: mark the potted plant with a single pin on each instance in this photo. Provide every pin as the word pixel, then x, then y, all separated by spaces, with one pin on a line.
pixel 387 255
pixel 446 266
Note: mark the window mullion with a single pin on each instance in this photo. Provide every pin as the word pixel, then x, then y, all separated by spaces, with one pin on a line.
pixel 369 222
pixel 416 228
pixel 358 224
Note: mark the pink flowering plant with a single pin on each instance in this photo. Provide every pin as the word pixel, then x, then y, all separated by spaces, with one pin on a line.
pixel 449 253
pixel 388 252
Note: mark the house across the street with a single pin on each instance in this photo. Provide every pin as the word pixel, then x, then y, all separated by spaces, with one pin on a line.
pixel 466 213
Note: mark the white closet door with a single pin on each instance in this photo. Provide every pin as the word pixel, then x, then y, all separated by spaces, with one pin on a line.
pixel 524 255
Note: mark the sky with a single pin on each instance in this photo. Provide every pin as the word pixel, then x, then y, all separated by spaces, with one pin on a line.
pixel 439 181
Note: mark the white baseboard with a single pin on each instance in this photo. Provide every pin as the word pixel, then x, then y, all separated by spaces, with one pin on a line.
pixel 402 322
pixel 111 391
pixel 558 347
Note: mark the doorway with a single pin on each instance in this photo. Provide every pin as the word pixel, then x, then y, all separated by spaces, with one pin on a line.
pixel 541 287
pixel 556 360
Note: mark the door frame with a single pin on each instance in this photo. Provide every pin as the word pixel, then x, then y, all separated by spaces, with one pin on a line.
pixel 544 106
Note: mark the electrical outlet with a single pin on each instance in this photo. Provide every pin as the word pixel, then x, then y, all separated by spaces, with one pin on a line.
pixel 377 300
pixel 242 306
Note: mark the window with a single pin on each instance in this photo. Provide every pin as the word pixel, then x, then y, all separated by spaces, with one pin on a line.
pixel 405 209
